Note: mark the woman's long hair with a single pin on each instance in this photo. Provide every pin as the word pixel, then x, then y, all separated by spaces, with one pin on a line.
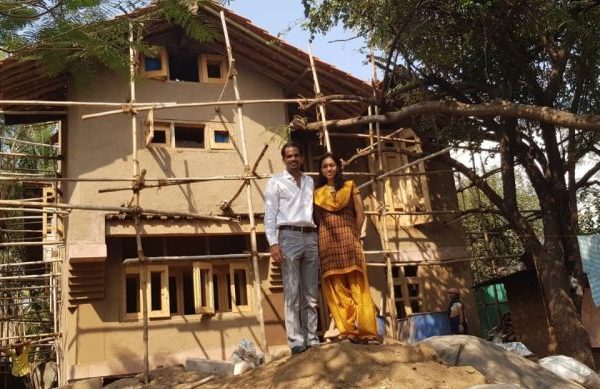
pixel 338 179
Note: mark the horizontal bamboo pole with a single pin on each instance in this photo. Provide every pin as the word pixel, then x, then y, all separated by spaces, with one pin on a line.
pixel 54 103
pixel 32 156
pixel 30 263
pixel 37 113
pixel 128 261
pixel 52 334
pixel 34 210
pixel 29 288
pixel 14 230
pixel 28 277
pixel 20 218
pixel 129 210
pixel 406 166
pixel 17 244
pixel 161 181
pixel 26 142
pixel 126 108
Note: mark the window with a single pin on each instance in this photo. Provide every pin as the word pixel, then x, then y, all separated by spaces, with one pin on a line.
pixel 183 68
pixel 189 136
pixel 155 66
pixel 407 290
pixel 200 288
pixel 210 136
pixel 220 136
pixel 214 68
pixel 157 292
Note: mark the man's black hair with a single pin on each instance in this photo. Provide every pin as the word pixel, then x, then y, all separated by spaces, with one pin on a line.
pixel 288 145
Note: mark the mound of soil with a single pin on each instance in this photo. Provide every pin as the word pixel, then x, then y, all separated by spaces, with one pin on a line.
pixel 347 365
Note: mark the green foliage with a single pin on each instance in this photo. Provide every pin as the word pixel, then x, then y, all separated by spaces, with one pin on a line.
pixel 74 35
pixel 589 216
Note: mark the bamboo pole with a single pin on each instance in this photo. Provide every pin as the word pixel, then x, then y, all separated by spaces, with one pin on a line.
pixel 383 233
pixel 15 244
pixel 20 218
pixel 23 155
pixel 127 210
pixel 33 210
pixel 320 105
pixel 138 229
pixel 26 142
pixel 405 166
pixel 249 184
pixel 150 106
pixel 163 181
pixel 9 112
pixel 25 277
pixel 30 263
pixel 175 258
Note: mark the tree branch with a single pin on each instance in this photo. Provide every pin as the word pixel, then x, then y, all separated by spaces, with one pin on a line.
pixel 496 108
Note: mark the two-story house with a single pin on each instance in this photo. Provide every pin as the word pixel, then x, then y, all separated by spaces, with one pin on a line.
pixel 205 307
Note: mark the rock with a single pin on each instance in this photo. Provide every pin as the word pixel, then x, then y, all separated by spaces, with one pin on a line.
pixel 496 364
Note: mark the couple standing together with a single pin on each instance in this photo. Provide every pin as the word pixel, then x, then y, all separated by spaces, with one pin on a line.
pixel 304 225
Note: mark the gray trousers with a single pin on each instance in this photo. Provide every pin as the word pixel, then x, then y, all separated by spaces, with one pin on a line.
pixel 300 269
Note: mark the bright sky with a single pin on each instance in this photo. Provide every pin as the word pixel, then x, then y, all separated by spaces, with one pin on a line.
pixel 284 18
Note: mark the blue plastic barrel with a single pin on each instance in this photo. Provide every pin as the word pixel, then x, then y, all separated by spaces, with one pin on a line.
pixel 427 324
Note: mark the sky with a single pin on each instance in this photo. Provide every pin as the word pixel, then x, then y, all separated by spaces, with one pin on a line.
pixel 283 18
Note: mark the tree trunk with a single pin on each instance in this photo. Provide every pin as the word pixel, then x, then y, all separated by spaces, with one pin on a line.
pixel 566 328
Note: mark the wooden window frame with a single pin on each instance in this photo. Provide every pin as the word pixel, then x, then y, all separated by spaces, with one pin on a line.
pixel 209 308
pixel 163 73
pixel 124 314
pixel 204 60
pixel 165 307
pixel 213 127
pixel 240 308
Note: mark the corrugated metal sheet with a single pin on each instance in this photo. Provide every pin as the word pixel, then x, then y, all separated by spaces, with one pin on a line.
pixel 589 246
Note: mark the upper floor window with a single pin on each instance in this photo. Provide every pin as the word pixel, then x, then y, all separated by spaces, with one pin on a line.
pixel 176 66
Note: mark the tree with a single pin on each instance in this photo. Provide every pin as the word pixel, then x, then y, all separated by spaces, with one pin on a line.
pixel 455 60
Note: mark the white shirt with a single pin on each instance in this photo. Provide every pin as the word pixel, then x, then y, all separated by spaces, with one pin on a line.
pixel 286 204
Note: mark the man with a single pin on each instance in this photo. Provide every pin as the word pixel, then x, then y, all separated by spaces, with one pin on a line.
pixel 456 313
pixel 20 364
pixel 292 237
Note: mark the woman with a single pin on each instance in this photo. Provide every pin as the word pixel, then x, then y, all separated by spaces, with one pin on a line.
pixel 340 215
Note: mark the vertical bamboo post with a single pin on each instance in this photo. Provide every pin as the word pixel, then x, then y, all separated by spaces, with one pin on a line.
pixel 321 105
pixel 384 217
pixel 138 229
pixel 249 184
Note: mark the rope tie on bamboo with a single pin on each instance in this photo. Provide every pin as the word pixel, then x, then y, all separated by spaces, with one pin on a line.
pixel 129 108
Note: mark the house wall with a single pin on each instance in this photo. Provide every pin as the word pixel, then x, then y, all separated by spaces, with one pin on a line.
pixel 102 148
pixel 527 313
pixel 96 341
pixel 100 342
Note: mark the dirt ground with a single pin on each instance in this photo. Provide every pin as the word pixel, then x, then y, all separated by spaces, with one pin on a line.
pixel 347 365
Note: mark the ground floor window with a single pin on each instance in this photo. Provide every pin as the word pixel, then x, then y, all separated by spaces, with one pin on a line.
pixel 186 289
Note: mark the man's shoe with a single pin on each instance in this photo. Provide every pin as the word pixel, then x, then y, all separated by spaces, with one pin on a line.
pixel 298 350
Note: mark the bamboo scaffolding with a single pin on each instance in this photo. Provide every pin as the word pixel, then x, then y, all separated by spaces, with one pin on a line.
pixel 44 243
pixel 148 107
pixel 26 142
pixel 163 181
pixel 253 242
pixel 9 112
pixel 406 166
pixel 33 210
pixel 32 156
pixel 25 277
pixel 30 263
pixel 227 204
pixel 320 104
pixel 183 258
pixel 127 210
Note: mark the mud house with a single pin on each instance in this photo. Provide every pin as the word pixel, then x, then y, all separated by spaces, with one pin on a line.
pixel 203 307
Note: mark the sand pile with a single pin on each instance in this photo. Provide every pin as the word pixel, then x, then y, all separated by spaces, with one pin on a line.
pixel 346 365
